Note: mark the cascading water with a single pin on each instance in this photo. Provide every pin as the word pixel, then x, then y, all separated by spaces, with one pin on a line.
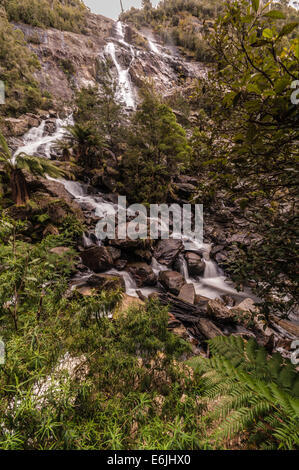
pixel 213 283
pixel 36 143
pixel 153 47
pixel 184 268
pixel 125 85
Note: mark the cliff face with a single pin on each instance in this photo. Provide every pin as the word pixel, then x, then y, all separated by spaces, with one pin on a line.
pixel 69 62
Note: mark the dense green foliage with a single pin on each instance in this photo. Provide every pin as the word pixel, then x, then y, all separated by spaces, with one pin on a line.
pixel 99 121
pixel 184 22
pixel 253 135
pixel 60 14
pixel 77 377
pixel 157 150
pixel 17 65
pixel 252 393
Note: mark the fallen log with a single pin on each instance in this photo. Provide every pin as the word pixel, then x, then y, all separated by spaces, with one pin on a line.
pixel 286 325
pixel 208 328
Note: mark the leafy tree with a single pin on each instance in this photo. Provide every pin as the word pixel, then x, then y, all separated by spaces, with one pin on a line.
pixel 15 166
pixel 157 150
pixel 98 131
pixel 255 134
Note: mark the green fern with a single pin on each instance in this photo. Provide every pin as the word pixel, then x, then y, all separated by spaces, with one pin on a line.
pixel 258 395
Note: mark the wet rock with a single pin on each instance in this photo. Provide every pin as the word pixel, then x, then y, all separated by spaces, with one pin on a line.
pixel 217 310
pixel 196 265
pixel 167 251
pixel 128 243
pixel 97 258
pixel 187 294
pixel 228 300
pixel 50 126
pixel 120 264
pixel 19 126
pixel 115 253
pixel 99 282
pixel 142 274
pixel 143 255
pixel 199 299
pixel 172 281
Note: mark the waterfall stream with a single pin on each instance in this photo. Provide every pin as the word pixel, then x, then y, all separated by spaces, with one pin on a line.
pixel 212 285
pixel 36 142
pixel 124 81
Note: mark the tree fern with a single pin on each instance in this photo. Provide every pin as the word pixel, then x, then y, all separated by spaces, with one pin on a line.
pixel 255 394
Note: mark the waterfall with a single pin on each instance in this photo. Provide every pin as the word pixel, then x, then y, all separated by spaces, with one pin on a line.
pixel 124 81
pixel 153 47
pixel 87 242
pixel 211 269
pixel 212 285
pixel 157 267
pixel 36 143
pixel 184 268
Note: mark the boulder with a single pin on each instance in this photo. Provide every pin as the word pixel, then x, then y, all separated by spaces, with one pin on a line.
pixel 187 294
pixel 97 258
pixel 120 264
pixel 128 243
pixel 106 282
pixel 200 299
pixel 196 266
pixel 247 305
pixel 115 253
pixel 143 255
pixel 142 274
pixel 167 251
pixel 217 309
pixel 127 302
pixel 60 250
pixel 19 126
pixel 172 281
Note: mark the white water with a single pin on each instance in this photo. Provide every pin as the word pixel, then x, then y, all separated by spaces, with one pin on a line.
pixel 36 143
pixel 125 85
pixel 153 47
pixel 212 285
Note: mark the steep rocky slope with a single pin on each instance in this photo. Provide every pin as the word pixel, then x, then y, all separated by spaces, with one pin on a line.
pixel 69 61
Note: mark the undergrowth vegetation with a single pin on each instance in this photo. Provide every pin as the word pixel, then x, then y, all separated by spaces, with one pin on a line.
pixel 65 15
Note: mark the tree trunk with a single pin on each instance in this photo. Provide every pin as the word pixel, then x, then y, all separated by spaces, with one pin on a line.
pixel 19 187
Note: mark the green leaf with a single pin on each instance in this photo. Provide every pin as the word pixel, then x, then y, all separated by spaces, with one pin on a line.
pixel 4 146
pixel 253 88
pixel 281 84
pixel 275 15
pixel 259 43
pixel 268 33
pixel 255 4
pixel 287 29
